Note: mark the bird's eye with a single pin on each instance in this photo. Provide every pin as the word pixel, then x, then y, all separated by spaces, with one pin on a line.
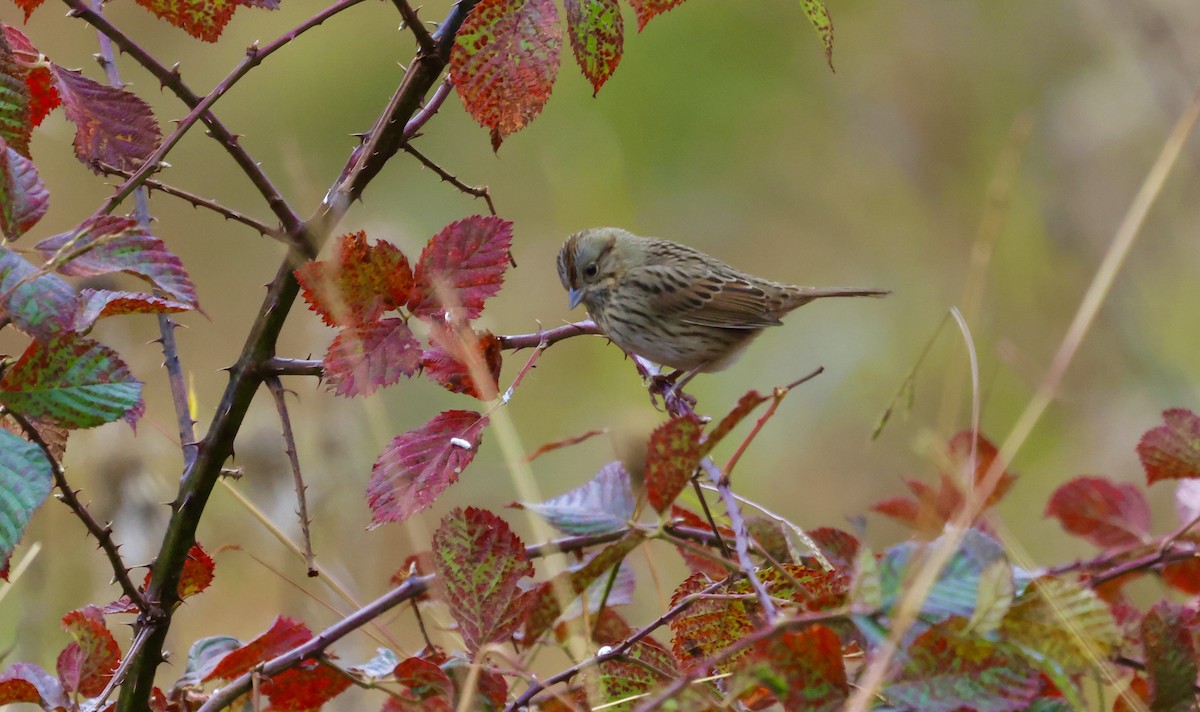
pixel 590 271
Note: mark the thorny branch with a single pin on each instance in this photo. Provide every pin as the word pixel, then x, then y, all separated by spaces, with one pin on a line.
pixel 289 446
pixel 476 192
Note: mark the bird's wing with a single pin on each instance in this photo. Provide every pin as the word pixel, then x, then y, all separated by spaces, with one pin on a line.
pixel 724 301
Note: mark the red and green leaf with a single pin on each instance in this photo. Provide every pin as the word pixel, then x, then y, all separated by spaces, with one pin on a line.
pixel 1106 513
pixel 88 662
pixel 95 304
pixel 307 686
pixel 76 383
pixel 818 17
pixel 371 355
pixel 202 19
pixel 283 635
pixel 803 670
pixel 596 31
pixel 1170 656
pixel 603 504
pixel 461 267
pixel 710 565
pixel 647 10
pixel 25 482
pixel 839 547
pixel 1171 451
pixel 645 666
pixel 480 563
pixel 24 199
pixel 672 456
pixel 423 686
pixel 26 682
pixel 504 63
pixel 416 467
pixel 112 125
pixel 16 125
pixel 708 626
pixel 35 70
pixel 448 362
pixel 359 283
pixel 41 305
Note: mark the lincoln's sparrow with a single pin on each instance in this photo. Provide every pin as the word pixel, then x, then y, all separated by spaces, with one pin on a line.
pixel 673 305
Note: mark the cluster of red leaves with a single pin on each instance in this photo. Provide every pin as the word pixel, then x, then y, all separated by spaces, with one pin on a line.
pixel 203 19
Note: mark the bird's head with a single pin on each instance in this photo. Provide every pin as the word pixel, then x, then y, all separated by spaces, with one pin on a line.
pixel 591 262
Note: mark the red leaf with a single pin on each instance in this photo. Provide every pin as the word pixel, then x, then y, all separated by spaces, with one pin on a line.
pixel 1170 656
pixel 461 267
pixel 24 199
pixel 86 665
pixel 504 63
pixel 1185 575
pixel 112 125
pixel 1172 450
pixel 839 547
pixel 985 453
pixel 648 9
pixel 671 457
pixel 95 304
pixel 1105 513
pixel 804 670
pixel 423 686
pixel 480 562
pixel 197 572
pixel 416 467
pixel 41 305
pixel 447 362
pixel 43 97
pixel 26 682
pixel 283 635
pixel 28 6
pixel 358 283
pixel 202 19
pixel 372 355
pixel 110 244
pixel 307 686
pixel 596 31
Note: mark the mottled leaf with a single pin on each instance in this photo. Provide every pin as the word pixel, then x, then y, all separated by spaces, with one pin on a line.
pixel 283 635
pixel 596 31
pixel 956 592
pixel 803 670
pixel 41 305
pixel 647 10
pixel 480 563
pixel 711 565
pixel 504 63
pixel 95 304
pixel 839 547
pixel 24 199
pixel 946 669
pixel 307 686
pixel 112 125
pixel 461 267
pixel 1170 657
pixel 448 363
pixel 818 17
pixel 423 686
pixel 77 383
pixel 1172 450
pixel 88 662
pixel 644 667
pixel 1062 621
pixel 202 19
pixel 16 123
pixel 371 355
pixel 1106 513
pixel 112 244
pixel 672 455
pixel 358 283
pixel 708 626
pixel 25 482
pixel 416 467
pixel 43 97
pixel 602 504
pixel 26 682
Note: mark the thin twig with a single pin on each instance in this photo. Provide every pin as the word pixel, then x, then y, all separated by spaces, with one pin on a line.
pixel 424 39
pixel 430 108
pixel 711 521
pixel 196 201
pixel 289 446
pixel 477 191
pixel 551 336
pixel 533 358
pixel 741 539
pixel 102 534
pixel 276 366
pixel 776 398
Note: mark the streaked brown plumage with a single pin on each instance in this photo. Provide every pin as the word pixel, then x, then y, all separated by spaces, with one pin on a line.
pixel 674 305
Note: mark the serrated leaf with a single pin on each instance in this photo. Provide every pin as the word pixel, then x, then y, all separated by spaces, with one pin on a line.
pixel 448 362
pixel 603 504
pixel 803 670
pixel 818 17
pixel 504 63
pixel 95 304
pixel 461 267
pixel 423 686
pixel 1172 450
pixel 202 19
pixel 16 125
pixel 41 305
pixel 358 283
pixel 365 357
pixel 416 467
pixel 646 665
pixel 112 244
pixel 946 670
pixel 956 592
pixel 1170 657
pixel 112 125
pixel 480 563
pixel 25 482
pixel 76 383
pixel 596 31
pixel 88 662
pixel 1106 513
pixel 24 199
pixel 283 635
pixel 1064 622
pixel 708 626
pixel 647 10
pixel 26 682
pixel 672 455
pixel 997 589
pixel 35 70
pixel 306 686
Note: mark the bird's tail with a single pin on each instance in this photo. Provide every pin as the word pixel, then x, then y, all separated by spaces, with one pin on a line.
pixel 799 296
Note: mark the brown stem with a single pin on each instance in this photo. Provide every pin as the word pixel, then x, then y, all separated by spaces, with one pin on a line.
pixel 289 447
pixel 477 191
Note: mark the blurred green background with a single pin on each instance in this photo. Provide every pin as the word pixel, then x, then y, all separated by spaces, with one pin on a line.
pixel 722 128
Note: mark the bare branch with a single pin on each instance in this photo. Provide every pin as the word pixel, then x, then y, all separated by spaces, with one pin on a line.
pixel 477 191
pixel 424 39
pixel 289 446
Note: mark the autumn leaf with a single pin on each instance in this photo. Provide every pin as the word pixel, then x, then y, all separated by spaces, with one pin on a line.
pixel 365 357
pixel 460 268
pixel 1106 513
pixel 602 504
pixel 1172 450
pixel 112 125
pixel 95 304
pixel 283 635
pixel 24 199
pixel 672 455
pixel 803 670
pixel 41 305
pixel 202 19
pixel 77 383
pixel 25 482
pixel 596 31
pixel 26 682
pixel 448 362
pixel 358 283
pixel 647 10
pixel 88 662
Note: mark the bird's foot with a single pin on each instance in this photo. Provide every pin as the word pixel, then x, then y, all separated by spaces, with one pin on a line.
pixel 670 388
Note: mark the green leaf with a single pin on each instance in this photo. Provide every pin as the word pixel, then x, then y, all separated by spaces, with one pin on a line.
pixel 596 31
pixel 25 482
pixel 76 383
pixel 1063 623
pixel 803 670
pixel 24 199
pixel 818 16
pixel 41 305
pixel 15 121
pixel 1170 657
pixel 603 504
pixel 956 592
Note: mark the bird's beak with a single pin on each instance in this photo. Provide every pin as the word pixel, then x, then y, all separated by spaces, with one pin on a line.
pixel 574 296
